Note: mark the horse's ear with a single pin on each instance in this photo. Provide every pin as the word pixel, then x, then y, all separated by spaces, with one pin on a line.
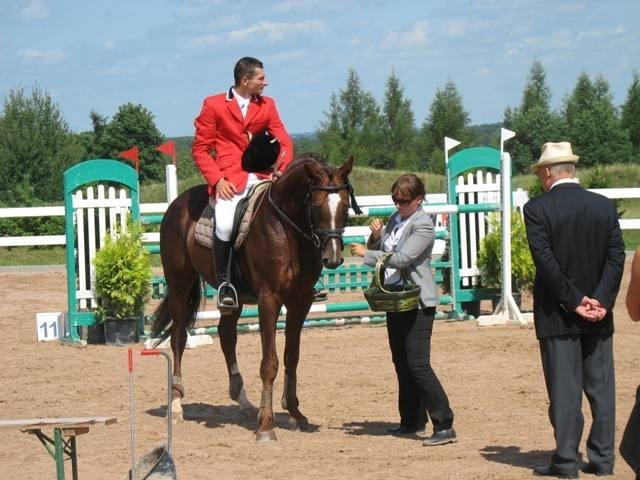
pixel 346 167
pixel 313 170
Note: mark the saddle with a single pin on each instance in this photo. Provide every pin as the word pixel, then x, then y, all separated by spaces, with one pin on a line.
pixel 242 219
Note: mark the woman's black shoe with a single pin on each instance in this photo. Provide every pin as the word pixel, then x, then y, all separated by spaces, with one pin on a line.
pixel 551 471
pixel 441 437
pixel 404 430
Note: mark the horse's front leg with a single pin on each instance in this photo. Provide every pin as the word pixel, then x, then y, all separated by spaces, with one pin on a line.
pixel 269 309
pixel 296 314
pixel 227 331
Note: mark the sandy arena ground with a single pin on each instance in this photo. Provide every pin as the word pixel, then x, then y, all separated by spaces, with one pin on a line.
pixel 347 388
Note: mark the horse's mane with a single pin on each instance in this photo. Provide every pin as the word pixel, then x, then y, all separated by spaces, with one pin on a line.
pixel 311 157
pixel 296 170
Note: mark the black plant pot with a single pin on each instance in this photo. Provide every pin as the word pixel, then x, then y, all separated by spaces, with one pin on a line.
pixel 472 308
pixel 495 300
pixel 121 331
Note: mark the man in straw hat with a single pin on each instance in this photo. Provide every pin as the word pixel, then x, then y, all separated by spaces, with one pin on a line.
pixel 576 243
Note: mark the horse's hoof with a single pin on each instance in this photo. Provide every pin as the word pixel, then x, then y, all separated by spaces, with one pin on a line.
pixel 266 437
pixel 177 417
pixel 301 425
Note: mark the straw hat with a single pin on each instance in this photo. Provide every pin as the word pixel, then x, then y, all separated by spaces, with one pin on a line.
pixel 553 153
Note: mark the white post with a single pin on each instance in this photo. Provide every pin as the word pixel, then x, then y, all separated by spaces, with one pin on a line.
pixel 172 182
pixel 507 311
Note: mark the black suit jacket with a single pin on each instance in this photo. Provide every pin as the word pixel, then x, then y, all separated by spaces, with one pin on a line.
pixel 576 243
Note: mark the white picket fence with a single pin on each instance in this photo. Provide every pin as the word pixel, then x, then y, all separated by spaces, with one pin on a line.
pixel 481 187
pixel 110 213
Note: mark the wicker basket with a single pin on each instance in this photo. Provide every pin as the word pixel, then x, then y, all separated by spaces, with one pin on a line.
pixel 383 300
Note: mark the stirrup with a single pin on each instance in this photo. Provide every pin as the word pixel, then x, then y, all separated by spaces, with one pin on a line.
pixel 319 295
pixel 230 297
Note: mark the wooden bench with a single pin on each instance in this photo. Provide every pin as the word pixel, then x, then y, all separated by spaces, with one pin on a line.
pixel 58 447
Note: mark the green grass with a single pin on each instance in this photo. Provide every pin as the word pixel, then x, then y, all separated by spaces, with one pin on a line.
pixel 15 256
pixel 630 208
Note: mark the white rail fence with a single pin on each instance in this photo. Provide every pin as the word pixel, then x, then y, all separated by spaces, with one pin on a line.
pixel 465 192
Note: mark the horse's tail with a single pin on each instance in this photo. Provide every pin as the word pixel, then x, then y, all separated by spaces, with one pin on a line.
pixel 163 320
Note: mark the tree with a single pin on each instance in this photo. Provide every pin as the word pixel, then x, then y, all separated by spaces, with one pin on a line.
pixel 533 121
pixel 631 114
pixel 592 124
pixel 134 125
pixel 447 118
pixel 398 140
pixel 36 147
pixel 352 125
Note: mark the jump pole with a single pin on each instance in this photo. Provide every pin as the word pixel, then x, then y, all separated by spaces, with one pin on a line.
pixel 309 323
pixel 450 143
pixel 507 312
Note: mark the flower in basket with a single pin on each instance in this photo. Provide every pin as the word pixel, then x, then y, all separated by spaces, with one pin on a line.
pixel 123 274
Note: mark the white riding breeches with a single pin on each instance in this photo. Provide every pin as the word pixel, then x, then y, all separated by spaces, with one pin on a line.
pixel 225 210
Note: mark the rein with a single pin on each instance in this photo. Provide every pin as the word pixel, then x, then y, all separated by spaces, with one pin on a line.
pixel 325 232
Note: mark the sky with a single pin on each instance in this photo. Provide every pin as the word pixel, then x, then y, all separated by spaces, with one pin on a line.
pixel 168 55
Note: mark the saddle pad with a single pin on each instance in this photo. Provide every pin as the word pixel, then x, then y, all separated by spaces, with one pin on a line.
pixel 204 227
pixel 252 202
pixel 246 207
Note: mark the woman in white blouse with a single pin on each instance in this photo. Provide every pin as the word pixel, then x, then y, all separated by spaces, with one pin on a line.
pixel 409 234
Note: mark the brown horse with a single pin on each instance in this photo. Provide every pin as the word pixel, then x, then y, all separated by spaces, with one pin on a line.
pixel 296 230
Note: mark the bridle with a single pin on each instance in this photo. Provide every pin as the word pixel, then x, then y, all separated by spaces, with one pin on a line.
pixel 317 232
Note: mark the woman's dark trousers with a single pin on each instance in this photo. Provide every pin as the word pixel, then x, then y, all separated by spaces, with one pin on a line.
pixel 419 387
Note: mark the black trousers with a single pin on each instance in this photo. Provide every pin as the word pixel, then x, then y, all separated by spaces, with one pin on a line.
pixel 419 387
pixel 573 364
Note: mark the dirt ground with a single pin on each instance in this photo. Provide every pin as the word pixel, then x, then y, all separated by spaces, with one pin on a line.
pixel 347 389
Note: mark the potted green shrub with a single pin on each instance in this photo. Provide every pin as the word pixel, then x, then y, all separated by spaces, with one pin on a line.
pixel 523 269
pixel 122 279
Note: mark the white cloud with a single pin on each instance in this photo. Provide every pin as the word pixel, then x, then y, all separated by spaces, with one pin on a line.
pixel 202 41
pixel 415 37
pixel 513 49
pixel 197 7
pixel 121 67
pixel 298 5
pixel 34 10
pixel 455 28
pixel 288 56
pixel 602 32
pixel 273 31
pixel 42 56
pixel 267 31
pixel 571 8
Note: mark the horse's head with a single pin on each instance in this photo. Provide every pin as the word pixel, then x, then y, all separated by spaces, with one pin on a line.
pixel 329 196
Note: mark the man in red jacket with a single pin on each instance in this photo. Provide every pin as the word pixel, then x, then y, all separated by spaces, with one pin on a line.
pixel 224 127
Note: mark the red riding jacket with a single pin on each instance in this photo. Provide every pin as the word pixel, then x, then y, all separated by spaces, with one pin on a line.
pixel 220 128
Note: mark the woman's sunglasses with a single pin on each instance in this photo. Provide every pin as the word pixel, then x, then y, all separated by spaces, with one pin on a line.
pixel 402 202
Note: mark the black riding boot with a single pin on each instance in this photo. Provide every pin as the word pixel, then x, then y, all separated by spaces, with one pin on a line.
pixel 227 297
